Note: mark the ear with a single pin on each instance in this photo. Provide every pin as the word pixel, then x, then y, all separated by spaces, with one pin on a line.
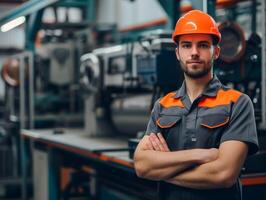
pixel 217 50
pixel 177 53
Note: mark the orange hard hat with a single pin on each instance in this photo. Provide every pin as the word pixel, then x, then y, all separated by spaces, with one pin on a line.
pixel 196 21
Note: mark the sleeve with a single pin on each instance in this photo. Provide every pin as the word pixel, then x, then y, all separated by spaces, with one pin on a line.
pixel 242 125
pixel 152 127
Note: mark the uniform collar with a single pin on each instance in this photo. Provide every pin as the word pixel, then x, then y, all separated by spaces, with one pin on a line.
pixel 182 91
pixel 210 90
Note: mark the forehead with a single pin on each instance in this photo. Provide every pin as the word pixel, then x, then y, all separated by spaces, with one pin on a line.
pixel 195 38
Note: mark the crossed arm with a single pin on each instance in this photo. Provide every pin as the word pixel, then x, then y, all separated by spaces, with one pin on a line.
pixel 195 168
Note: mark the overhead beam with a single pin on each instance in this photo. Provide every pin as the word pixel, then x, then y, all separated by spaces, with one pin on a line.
pixel 74 3
pixel 172 8
pixel 33 25
pixel 26 9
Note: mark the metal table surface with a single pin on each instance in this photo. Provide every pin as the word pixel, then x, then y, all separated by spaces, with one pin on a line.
pixel 110 152
pixel 115 148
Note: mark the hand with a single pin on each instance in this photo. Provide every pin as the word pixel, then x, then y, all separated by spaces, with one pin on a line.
pixel 146 144
pixel 158 142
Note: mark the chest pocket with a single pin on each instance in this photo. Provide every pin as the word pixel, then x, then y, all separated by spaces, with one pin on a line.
pixel 167 121
pixel 211 130
pixel 171 130
pixel 214 121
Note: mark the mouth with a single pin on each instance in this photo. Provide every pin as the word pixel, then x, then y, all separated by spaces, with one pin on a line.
pixel 194 62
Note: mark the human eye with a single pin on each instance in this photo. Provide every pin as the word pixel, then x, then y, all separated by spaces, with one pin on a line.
pixel 204 45
pixel 185 45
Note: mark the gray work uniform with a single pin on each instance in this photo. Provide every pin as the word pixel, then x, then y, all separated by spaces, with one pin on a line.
pixel 219 114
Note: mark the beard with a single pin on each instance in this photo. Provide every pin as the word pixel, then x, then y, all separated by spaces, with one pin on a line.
pixel 196 73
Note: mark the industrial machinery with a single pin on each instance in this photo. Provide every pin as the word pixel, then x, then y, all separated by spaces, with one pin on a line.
pixel 56 81
pixel 14 69
pixel 239 63
pixel 123 81
pixel 41 91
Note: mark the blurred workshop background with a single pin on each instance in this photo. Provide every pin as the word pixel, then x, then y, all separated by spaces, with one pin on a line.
pixel 78 81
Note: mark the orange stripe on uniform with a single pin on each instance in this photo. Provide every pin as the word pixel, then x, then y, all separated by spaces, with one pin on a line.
pixel 223 97
pixel 169 101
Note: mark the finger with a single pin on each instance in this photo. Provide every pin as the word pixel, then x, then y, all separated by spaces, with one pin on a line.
pixel 159 144
pixel 163 142
pixel 146 144
pixel 149 145
pixel 154 142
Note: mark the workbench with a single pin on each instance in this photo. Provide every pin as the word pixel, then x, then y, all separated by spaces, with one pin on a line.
pixel 102 163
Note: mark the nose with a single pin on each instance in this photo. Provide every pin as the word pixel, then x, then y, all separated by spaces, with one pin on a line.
pixel 194 51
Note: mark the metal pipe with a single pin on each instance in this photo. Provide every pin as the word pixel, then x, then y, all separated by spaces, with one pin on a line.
pixel 205 6
pixel 22 124
pixel 263 64
pixel 11 101
pixel 22 90
pixel 254 16
pixel 31 90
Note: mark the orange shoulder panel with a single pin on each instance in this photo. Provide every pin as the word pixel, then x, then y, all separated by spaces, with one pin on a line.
pixel 168 101
pixel 223 97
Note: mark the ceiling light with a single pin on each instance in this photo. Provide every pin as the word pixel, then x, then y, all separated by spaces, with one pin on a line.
pixel 12 24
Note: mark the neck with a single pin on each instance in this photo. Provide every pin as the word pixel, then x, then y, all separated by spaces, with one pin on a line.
pixel 195 87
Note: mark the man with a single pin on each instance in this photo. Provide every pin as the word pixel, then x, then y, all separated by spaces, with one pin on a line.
pixel 199 136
